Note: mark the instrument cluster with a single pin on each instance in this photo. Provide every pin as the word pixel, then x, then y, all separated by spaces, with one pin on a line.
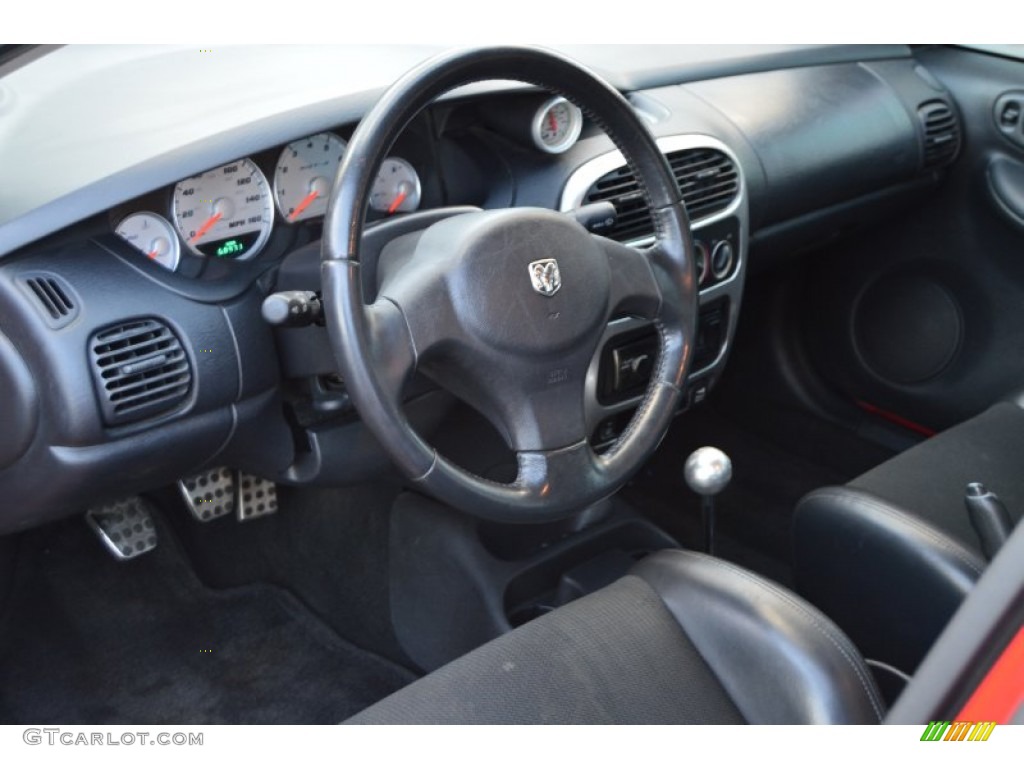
pixel 277 198
pixel 229 212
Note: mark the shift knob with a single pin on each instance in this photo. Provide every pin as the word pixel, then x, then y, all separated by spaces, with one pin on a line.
pixel 707 471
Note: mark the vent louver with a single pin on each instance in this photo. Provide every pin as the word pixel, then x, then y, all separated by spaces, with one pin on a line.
pixel 707 179
pixel 941 132
pixel 140 370
pixel 52 297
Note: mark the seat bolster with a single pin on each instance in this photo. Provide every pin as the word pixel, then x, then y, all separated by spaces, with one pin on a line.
pixel 888 578
pixel 779 658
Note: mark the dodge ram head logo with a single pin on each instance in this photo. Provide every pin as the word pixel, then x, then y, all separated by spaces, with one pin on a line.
pixel 545 276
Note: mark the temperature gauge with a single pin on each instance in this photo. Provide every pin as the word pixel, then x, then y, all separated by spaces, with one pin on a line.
pixel 154 236
pixel 397 187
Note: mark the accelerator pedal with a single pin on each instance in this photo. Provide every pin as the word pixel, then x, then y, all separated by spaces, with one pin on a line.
pixel 258 497
pixel 125 527
pixel 210 494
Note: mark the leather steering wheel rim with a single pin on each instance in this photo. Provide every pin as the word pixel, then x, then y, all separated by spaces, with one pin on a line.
pixel 377 346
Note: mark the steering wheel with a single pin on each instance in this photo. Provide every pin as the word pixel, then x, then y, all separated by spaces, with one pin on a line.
pixel 505 308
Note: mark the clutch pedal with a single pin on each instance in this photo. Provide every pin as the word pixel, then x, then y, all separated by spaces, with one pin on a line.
pixel 125 527
pixel 210 494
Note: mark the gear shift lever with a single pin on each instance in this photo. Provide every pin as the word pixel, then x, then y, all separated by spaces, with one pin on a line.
pixel 707 472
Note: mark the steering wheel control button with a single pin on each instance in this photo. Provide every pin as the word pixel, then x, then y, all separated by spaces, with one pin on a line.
pixel 210 494
pixel 125 527
pixel 256 497
pixel 722 258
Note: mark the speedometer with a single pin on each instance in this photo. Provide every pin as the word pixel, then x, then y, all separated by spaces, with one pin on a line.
pixel 227 212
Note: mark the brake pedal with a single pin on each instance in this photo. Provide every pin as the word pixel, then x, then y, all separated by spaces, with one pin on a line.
pixel 210 494
pixel 125 527
pixel 257 497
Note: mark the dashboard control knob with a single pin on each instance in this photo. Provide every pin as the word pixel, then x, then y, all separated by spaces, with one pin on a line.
pixel 722 258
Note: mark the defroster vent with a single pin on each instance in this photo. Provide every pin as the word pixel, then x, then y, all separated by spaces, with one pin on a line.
pixel 707 179
pixel 52 297
pixel 140 370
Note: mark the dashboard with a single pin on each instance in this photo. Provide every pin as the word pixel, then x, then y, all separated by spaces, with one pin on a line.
pixel 133 284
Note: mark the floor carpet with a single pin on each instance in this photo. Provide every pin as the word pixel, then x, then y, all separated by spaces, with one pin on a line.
pixel 86 639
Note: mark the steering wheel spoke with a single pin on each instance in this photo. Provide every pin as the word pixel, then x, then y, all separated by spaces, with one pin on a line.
pixel 392 350
pixel 634 287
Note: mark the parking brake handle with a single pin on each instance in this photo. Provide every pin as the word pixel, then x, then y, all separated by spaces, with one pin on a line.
pixel 989 516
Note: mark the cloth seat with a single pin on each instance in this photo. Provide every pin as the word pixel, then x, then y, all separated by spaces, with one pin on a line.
pixel 684 638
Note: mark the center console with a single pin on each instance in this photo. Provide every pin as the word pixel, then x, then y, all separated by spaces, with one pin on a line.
pixel 713 189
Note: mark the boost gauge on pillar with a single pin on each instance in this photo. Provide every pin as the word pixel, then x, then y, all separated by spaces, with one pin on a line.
pixel 226 212
pixel 556 125
pixel 397 187
pixel 304 175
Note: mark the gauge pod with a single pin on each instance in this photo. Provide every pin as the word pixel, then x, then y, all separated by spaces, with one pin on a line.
pixel 556 125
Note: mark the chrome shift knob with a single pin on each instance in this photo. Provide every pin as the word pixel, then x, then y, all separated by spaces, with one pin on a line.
pixel 707 471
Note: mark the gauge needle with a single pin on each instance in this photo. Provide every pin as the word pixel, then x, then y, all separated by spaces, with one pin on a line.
pixel 552 122
pixel 397 201
pixel 306 201
pixel 206 227
pixel 153 254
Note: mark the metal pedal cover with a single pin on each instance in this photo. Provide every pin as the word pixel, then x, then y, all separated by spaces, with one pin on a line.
pixel 256 497
pixel 125 527
pixel 210 494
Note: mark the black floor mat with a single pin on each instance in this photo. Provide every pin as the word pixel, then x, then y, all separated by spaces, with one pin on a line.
pixel 85 639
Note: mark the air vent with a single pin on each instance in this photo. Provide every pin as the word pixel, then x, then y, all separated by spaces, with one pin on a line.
pixel 52 297
pixel 706 177
pixel 140 369
pixel 941 133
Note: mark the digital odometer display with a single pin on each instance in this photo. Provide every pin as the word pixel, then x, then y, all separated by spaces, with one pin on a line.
pixel 225 213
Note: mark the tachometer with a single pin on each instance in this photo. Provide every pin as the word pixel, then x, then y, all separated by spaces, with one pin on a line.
pixel 304 174
pixel 226 212
pixel 154 236
pixel 397 187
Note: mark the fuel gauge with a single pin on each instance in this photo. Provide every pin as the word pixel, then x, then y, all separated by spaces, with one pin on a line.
pixel 154 236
